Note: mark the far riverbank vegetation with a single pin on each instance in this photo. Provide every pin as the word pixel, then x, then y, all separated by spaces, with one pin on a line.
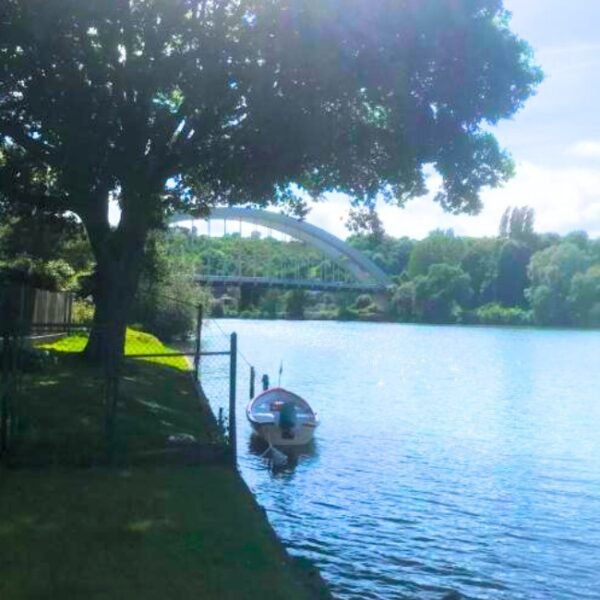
pixel 518 277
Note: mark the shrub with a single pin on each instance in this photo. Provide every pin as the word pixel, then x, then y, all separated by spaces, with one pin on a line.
pixel 440 294
pixel 295 304
pixel 169 312
pixel 53 275
pixel 173 320
pixel 83 312
pixel 496 314
pixel 403 301
pixel 345 313
pixel 269 304
pixel 363 302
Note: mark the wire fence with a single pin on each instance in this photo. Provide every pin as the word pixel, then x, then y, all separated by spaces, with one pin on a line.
pixel 216 373
pixel 208 355
pixel 9 388
pixel 20 306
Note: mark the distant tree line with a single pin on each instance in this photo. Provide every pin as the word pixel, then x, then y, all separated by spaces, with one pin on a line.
pixel 518 277
pixel 44 251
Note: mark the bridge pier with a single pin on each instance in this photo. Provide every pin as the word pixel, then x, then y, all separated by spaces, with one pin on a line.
pixel 249 296
pixel 382 300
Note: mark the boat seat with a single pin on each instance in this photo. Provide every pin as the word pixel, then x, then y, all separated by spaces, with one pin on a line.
pixel 264 417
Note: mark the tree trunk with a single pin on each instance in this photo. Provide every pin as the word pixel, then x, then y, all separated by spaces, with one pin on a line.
pixel 119 259
pixel 112 298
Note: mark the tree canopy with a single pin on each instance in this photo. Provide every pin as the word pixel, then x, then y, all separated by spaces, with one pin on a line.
pixel 166 105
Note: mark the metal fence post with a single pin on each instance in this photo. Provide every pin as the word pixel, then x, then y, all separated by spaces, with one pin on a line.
pixel 232 390
pixel 4 391
pixel 198 345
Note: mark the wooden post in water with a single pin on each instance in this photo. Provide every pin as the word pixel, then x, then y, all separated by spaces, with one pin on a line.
pixel 252 381
pixel 232 390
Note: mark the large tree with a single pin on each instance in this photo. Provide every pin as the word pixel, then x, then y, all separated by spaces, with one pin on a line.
pixel 166 105
pixel 440 294
pixel 511 273
pixel 551 273
pixel 438 247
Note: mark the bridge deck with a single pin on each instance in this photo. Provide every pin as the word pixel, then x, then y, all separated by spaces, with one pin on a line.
pixel 307 284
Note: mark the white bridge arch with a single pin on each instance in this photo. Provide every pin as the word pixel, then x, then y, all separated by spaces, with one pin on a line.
pixel 362 269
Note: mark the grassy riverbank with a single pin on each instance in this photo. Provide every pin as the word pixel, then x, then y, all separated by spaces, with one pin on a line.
pixel 70 528
pixel 62 406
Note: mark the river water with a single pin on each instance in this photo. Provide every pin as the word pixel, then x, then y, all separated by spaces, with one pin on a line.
pixel 448 458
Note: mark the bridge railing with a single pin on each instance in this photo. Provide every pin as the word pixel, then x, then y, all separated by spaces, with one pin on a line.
pixel 311 284
pixel 338 251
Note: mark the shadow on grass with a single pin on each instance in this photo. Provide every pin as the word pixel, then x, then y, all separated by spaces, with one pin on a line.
pixel 62 415
pixel 139 533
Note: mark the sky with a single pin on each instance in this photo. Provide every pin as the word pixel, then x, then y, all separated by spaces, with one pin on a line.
pixel 554 140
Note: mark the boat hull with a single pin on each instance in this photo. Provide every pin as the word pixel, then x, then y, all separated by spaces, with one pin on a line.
pixel 282 418
pixel 273 434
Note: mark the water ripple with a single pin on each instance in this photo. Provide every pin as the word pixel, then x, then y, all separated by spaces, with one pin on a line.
pixel 472 467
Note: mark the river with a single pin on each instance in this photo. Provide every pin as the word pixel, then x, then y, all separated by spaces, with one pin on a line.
pixel 448 458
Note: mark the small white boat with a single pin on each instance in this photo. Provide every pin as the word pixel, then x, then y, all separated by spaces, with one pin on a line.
pixel 282 418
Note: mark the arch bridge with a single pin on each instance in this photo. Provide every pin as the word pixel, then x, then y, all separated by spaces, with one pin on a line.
pixel 361 274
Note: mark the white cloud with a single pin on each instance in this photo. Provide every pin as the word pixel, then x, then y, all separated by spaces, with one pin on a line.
pixel 585 149
pixel 564 200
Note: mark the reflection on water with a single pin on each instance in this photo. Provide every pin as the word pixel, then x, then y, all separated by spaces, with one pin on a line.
pixel 447 459
pixel 258 447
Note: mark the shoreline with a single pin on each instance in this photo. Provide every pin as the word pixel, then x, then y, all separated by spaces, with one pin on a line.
pixel 306 572
pixel 311 318
pixel 151 528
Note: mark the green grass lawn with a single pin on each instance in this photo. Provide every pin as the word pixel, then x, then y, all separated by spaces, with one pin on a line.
pixel 62 407
pixel 70 528
pixel 136 342
pixel 183 532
